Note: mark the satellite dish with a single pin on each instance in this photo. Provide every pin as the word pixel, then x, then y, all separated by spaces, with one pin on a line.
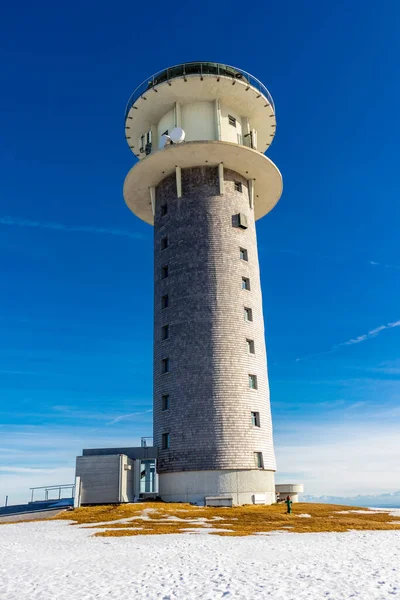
pixel 164 141
pixel 177 135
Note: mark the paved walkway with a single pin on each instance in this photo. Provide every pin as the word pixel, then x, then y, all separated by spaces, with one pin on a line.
pixel 30 516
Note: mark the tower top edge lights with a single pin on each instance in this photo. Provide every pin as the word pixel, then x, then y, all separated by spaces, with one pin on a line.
pixel 228 117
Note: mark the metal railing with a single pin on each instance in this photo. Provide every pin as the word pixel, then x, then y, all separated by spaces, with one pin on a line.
pixel 144 443
pixel 198 68
pixel 53 488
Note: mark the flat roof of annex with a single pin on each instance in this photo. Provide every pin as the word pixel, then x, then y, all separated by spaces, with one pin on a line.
pixel 201 81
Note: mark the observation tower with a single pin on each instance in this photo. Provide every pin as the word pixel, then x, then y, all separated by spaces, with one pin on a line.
pixel 200 131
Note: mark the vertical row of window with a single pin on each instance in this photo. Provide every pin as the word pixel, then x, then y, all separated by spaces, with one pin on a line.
pixel 250 346
pixel 164 328
pixel 248 317
pixel 165 398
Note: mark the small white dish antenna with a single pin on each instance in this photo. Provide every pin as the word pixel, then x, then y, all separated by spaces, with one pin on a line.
pixel 164 141
pixel 177 135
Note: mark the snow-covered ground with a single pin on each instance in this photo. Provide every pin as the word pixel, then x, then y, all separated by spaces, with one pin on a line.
pixel 55 561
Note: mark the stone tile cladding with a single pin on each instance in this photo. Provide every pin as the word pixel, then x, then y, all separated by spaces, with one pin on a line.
pixel 209 419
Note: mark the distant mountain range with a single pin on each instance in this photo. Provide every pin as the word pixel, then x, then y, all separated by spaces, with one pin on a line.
pixel 391 500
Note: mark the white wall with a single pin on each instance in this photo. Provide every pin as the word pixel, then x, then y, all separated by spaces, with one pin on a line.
pixel 127 476
pixel 198 121
pixel 193 486
pixel 99 478
pixel 228 132
pixel 167 122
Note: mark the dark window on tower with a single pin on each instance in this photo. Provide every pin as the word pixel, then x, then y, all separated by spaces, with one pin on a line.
pixel 238 186
pixel 164 332
pixel 243 254
pixel 248 314
pixel 165 365
pixel 164 242
pixel 245 283
pixel 255 419
pixel 165 402
pixel 164 209
pixel 253 382
pixel 165 440
pixel 164 271
pixel 232 120
pixel 258 459
pixel 250 346
pixel 165 301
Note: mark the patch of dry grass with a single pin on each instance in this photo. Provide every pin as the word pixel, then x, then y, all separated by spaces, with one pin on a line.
pixel 152 518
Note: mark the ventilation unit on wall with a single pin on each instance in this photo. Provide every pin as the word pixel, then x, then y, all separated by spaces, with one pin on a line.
pixel 242 221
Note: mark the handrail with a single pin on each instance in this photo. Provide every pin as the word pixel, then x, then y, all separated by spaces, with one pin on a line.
pixel 49 488
pixel 53 487
pixel 197 68
pixel 143 441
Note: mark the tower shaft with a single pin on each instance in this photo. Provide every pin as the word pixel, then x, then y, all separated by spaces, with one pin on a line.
pixel 212 421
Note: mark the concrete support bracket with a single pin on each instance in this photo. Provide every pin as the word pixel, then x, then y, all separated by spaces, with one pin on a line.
pixel 218 118
pixel 154 138
pixel 77 492
pixel 254 139
pixel 136 479
pixel 250 183
pixel 246 132
pixel 153 199
pixel 177 114
pixel 178 174
pixel 221 178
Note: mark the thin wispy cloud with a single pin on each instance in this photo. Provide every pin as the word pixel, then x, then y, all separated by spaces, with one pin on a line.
pixel 387 368
pixel 16 372
pixel 16 222
pixel 357 340
pixel 325 257
pixel 6 469
pixel 385 266
pixel 128 416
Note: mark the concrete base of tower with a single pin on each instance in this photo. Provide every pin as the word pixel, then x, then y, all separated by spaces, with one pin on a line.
pixel 194 486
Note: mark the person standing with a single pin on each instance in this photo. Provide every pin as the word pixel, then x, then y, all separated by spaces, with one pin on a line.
pixel 289 505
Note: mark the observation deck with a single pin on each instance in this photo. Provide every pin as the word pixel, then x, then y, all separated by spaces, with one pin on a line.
pixel 236 90
pixel 228 118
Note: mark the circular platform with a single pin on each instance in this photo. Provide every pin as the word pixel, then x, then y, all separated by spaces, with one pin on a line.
pixel 247 96
pixel 247 162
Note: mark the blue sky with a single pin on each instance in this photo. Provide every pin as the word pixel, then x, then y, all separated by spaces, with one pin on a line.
pixel 76 265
